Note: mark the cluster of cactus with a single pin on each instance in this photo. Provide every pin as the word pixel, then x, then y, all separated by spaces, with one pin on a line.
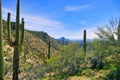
pixel 1 46
pixel 17 44
pixel 84 42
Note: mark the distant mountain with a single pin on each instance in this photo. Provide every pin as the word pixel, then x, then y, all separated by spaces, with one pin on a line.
pixel 66 41
pixel 63 40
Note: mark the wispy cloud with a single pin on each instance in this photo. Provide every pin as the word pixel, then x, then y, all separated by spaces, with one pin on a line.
pixel 79 34
pixel 54 28
pixel 77 8
pixel 39 23
pixel 5 11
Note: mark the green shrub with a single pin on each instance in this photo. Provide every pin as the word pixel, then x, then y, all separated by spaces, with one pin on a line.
pixel 114 73
pixel 67 61
pixel 97 63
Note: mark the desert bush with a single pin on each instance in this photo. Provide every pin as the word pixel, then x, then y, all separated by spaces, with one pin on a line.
pixel 114 73
pixel 68 61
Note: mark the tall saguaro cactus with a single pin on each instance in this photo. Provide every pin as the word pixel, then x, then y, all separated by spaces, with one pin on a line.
pixel 119 31
pixel 49 50
pixel 1 46
pixel 9 27
pixel 84 42
pixel 17 44
pixel 22 34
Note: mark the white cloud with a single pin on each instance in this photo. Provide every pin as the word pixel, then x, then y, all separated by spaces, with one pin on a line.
pixel 42 21
pixel 5 12
pixel 39 23
pixel 77 8
pixel 54 28
pixel 79 34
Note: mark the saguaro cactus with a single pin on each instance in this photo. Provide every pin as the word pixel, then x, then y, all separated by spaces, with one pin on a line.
pixel 17 44
pixel 119 31
pixel 1 46
pixel 63 41
pixel 49 50
pixel 9 27
pixel 84 42
pixel 22 34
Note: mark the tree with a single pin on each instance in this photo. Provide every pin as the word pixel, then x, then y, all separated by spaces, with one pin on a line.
pixel 107 44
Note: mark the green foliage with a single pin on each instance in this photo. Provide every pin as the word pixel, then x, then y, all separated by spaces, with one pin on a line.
pixel 99 51
pixel 97 63
pixel 114 73
pixel 99 48
pixel 68 61
pixel 88 72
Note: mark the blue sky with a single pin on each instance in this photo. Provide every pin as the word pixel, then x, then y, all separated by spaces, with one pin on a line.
pixel 66 18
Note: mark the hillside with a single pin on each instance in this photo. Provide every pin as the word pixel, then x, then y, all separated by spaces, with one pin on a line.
pixel 36 45
pixel 36 42
pixel 68 63
pixel 46 38
pixel 32 59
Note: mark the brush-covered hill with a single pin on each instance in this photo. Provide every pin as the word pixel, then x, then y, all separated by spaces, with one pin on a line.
pixel 33 57
pixel 69 63
pixel 37 45
pixel 46 38
pixel 37 42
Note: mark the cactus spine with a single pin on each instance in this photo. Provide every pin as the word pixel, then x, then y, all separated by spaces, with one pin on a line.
pixel 1 46
pixel 17 44
pixel 84 42
pixel 49 50
pixel 9 27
